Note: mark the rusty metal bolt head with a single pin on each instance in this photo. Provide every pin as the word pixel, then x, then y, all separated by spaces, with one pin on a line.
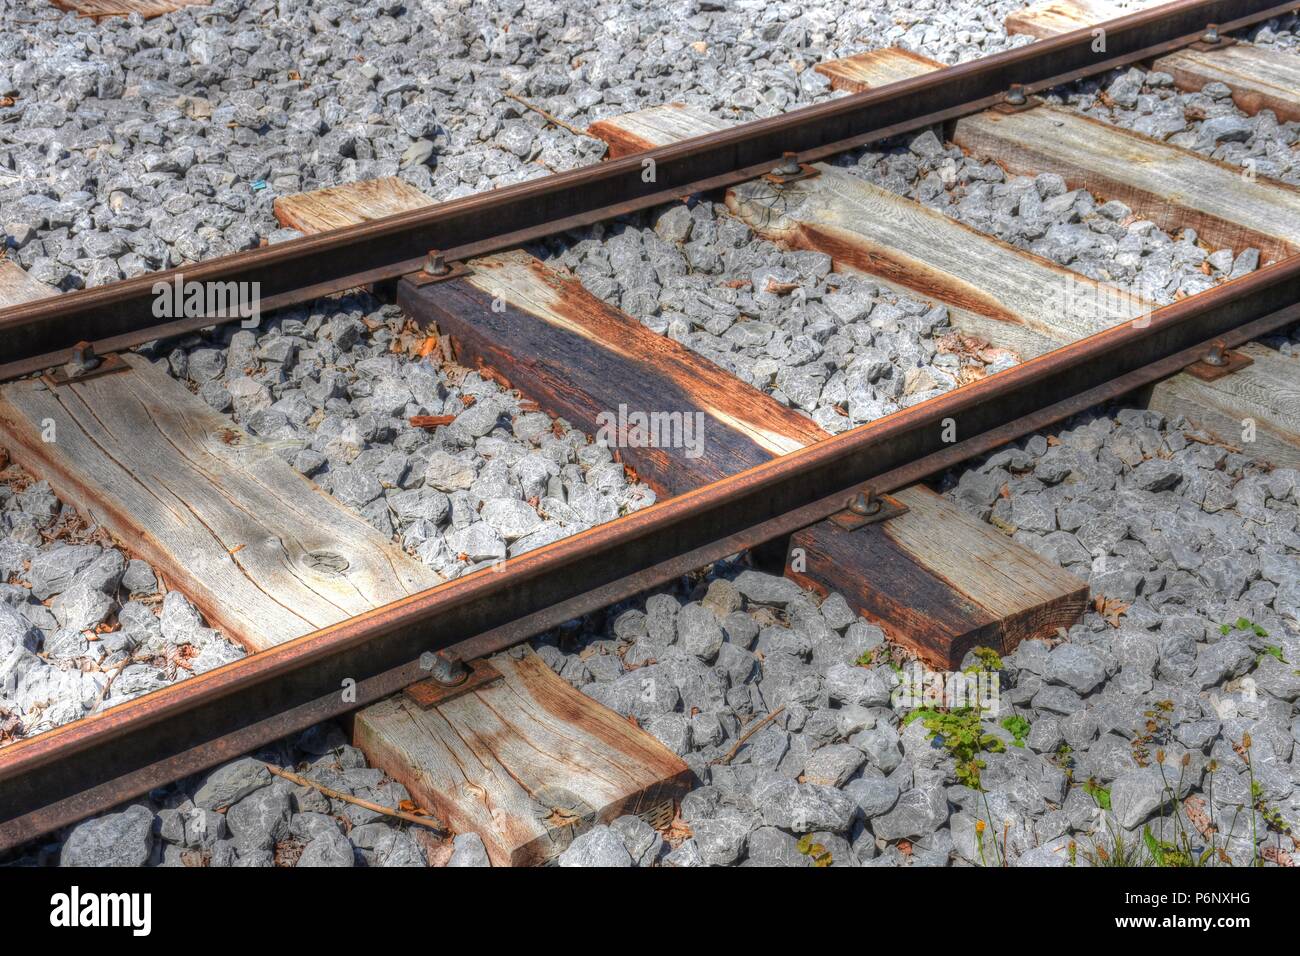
pixel 436 265
pixel 789 166
pixel 864 503
pixel 1211 34
pixel 1215 356
pixel 446 670
pixel 1016 95
pixel 83 360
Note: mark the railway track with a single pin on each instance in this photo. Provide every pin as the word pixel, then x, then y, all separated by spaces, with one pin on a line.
pixel 769 480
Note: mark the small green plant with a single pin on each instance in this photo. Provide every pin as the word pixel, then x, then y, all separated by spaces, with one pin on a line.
pixel 1271 651
pixel 1183 848
pixel 1100 795
pixel 816 852
pixel 882 654
pixel 1115 851
pixel 960 732
pixel 1273 818
pixel 1157 731
pixel 1064 757
pixel 987 661
pixel 1243 624
pixel 1181 854
pixel 1018 727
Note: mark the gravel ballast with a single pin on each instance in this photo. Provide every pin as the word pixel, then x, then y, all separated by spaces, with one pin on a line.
pixel 132 145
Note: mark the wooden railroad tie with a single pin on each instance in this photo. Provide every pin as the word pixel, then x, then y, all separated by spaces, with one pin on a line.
pixel 261 551
pixel 522 759
pixel 148 9
pixel 1050 17
pixel 1261 78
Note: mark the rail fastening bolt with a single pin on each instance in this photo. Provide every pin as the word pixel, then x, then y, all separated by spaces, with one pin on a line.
pixel 447 670
pixel 436 265
pixel 864 503
pixel 83 360
pixel 789 166
pixel 1215 356
pixel 1016 95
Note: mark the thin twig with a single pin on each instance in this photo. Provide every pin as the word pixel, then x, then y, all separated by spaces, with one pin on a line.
pixel 116 669
pixel 430 822
pixel 726 758
pixel 550 118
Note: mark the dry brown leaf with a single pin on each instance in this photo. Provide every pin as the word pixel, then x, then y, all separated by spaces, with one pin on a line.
pixel 1109 608
pixel 1275 854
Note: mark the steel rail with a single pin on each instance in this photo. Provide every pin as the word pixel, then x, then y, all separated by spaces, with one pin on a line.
pixel 40 334
pixel 98 762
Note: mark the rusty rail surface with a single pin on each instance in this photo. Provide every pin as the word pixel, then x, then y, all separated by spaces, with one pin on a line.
pixel 40 334
pixel 90 765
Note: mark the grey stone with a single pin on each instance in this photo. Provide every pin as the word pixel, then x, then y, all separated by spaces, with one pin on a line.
pixel 832 765
pixel 230 783
pixel 698 632
pixel 81 607
pixel 881 745
pixel 1277 679
pixel 1222 661
pixel 261 819
pixel 510 517
pixel 598 847
pixel 643 843
pixel 328 848
pixel 1075 667
pixel 16 632
pixel 917 813
pixel 770 846
pixel 805 807
pixel 468 850
pixel 767 588
pixel 721 840
pixel 115 839
pixel 874 795
pixel 1136 795
pixel 849 684
pixel 139 578
pixel 53 571
pixel 179 619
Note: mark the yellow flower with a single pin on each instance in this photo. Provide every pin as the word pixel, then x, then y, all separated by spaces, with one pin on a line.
pixel 979 826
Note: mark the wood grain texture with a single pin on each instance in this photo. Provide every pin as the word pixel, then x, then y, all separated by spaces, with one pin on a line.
pixel 941 582
pixel 347 205
pixel 217 511
pixel 1268 392
pixel 657 126
pixel 581 359
pixel 1048 18
pixel 148 9
pixel 1173 187
pixel 526 762
pixel 16 286
pixel 1261 78
pixel 862 71
pixel 1010 297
